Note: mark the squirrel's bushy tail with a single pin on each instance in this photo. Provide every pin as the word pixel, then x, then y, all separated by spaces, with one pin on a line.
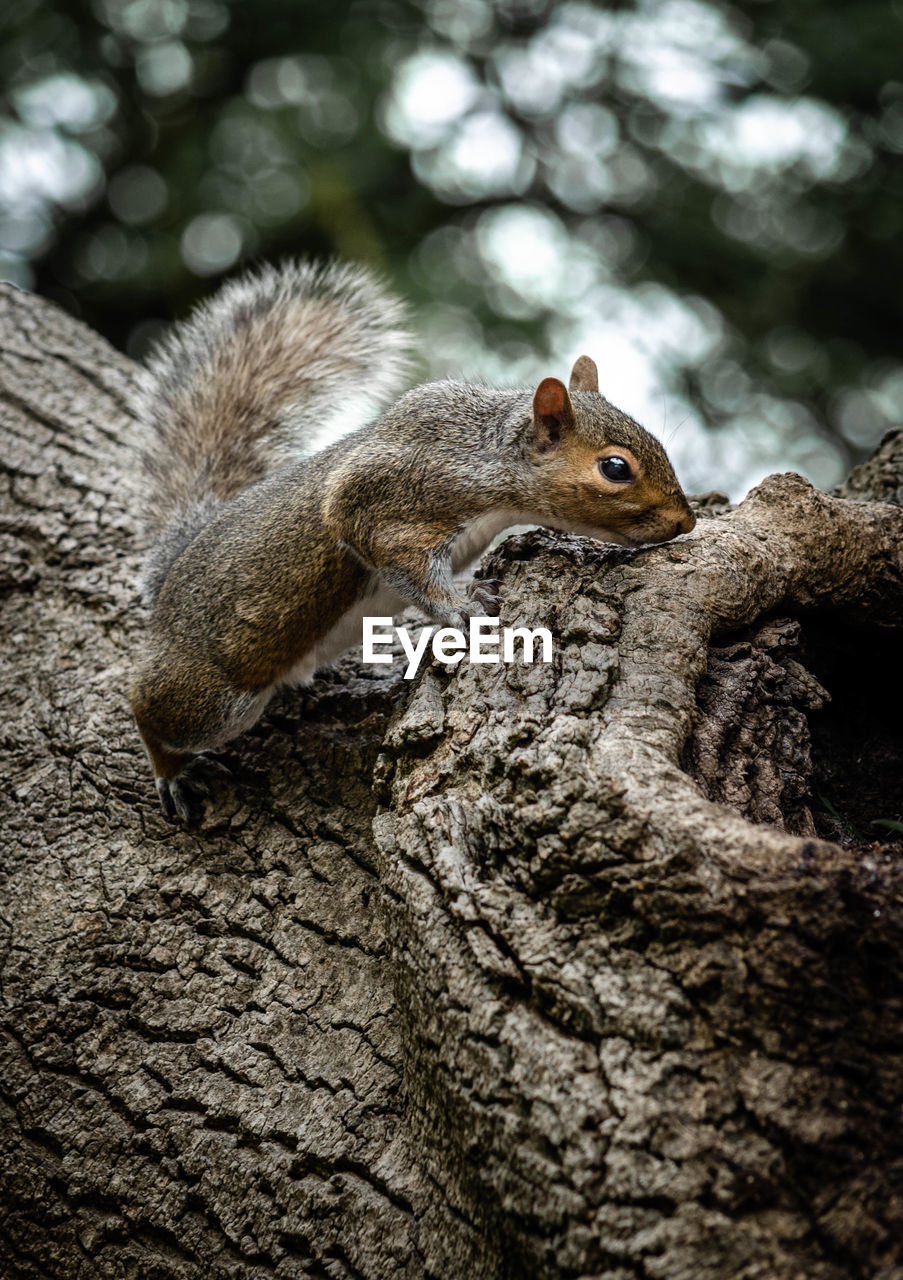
pixel 244 385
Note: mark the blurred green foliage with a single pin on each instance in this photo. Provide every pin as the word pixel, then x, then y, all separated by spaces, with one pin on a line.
pixel 719 186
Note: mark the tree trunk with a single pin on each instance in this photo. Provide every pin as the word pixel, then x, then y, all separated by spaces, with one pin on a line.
pixel 508 971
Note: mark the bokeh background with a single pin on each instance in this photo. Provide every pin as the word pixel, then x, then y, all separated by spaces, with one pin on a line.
pixel 705 197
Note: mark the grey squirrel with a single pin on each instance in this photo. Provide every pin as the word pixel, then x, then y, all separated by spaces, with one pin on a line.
pixel 264 560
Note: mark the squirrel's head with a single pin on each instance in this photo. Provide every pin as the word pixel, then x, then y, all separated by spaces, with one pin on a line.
pixel 599 471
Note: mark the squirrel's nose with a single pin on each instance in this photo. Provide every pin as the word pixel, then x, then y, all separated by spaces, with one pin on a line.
pixel 685 524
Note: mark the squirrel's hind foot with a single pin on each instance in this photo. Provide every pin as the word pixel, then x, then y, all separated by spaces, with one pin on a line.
pixel 184 795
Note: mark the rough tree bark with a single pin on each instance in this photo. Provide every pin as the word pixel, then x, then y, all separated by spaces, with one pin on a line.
pixel 507 972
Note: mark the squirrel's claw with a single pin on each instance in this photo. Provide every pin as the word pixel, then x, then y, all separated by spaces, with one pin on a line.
pixel 183 796
pixel 167 804
pixel 485 594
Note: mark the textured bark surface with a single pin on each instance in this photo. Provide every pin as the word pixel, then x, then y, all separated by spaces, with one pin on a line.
pixel 505 972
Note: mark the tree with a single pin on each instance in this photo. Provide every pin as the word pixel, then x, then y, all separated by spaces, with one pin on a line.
pixel 716 186
pixel 467 976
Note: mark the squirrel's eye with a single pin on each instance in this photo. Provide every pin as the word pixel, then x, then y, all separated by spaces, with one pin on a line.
pixel 616 468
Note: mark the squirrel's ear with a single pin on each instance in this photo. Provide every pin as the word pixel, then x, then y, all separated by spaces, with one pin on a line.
pixel 553 413
pixel 584 375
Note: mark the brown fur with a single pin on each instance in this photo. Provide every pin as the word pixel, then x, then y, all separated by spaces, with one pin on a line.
pixel 246 385
pixel 264 581
pixel 256 366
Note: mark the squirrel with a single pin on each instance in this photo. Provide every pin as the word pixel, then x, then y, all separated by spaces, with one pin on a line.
pixel 265 556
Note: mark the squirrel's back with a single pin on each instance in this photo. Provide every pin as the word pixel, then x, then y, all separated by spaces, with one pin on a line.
pixel 244 385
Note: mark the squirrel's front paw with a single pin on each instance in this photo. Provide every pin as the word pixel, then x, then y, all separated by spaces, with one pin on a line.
pixel 183 796
pixel 484 594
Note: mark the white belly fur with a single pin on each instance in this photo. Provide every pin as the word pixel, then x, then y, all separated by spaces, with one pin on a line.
pixel 347 632
pixel 383 602
pixel 476 536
